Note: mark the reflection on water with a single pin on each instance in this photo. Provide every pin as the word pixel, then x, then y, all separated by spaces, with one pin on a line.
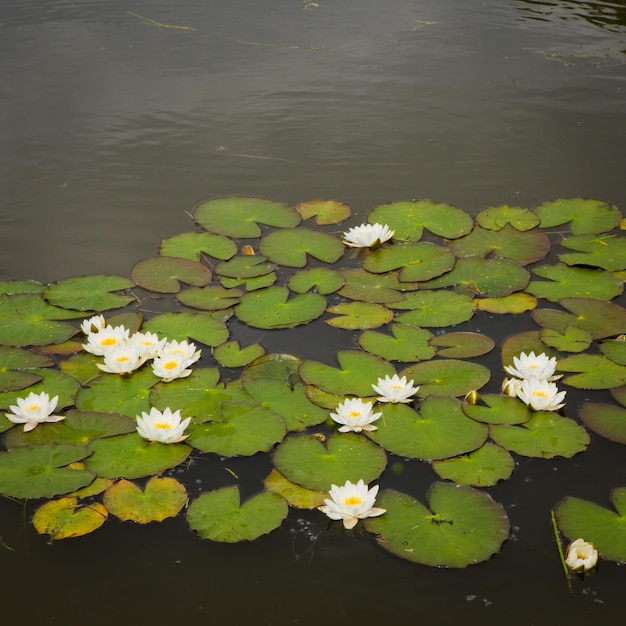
pixel 610 16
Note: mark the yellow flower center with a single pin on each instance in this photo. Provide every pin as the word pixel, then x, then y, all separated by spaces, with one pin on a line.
pixel 354 414
pixel 108 341
pixel 170 365
pixel 162 425
pixel 396 386
pixel 541 394
pixel 33 407
pixel 122 358
pixel 352 500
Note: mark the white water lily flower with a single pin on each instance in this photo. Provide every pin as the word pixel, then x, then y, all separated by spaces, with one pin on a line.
pixel 104 340
pixel 34 409
pixel 93 324
pixel 529 366
pixel 541 395
pixel 165 427
pixel 367 235
pixel 355 415
pixel 581 555
pixel 122 359
pixel 170 366
pixel 351 503
pixel 395 389
pixel 148 344
pixel 187 351
pixel 511 386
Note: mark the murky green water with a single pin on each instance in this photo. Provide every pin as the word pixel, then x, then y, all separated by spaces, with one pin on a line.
pixel 114 128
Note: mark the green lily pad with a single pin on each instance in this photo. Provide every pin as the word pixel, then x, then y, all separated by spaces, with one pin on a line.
pixel 65 518
pixel 179 326
pixel 306 461
pixel 52 382
pixel 607 420
pixel 359 315
pixel 508 242
pixel 296 496
pixel 246 428
pixel 78 427
pixel 288 401
pixel 462 345
pixel 408 219
pixel 614 349
pixel 598 317
pixel 435 308
pixel 290 247
pixel 272 308
pixel 497 217
pixel 515 303
pixel 132 456
pixel 38 470
pixel 240 217
pixel 325 211
pixel 320 279
pixel 362 285
pixel 605 528
pixel 447 377
pixel 408 343
pixel 596 372
pixel 328 401
pixel 545 435
pixel 461 526
pixel 231 354
pixel 586 216
pixel 83 367
pixel 573 339
pixel 11 287
pixel 500 409
pixel 192 245
pixel 250 284
pixel 419 261
pixel 161 498
pixel 220 516
pixel 439 430
pixel 489 278
pixel 524 342
pixel 95 488
pixel 570 282
pixel 164 274
pixel 89 293
pixel 275 366
pixel 211 298
pixel 605 251
pixel 13 363
pixel 482 468
pixel 358 371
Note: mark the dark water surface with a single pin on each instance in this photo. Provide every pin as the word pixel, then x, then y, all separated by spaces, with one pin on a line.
pixel 113 128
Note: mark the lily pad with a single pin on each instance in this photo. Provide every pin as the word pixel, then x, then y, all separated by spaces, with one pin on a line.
pixel 585 216
pixel 408 219
pixel 482 468
pixel 306 461
pixel 500 409
pixel 220 516
pixel 161 498
pixel 607 420
pixel 529 341
pixel 11 287
pixel 325 211
pixel 52 382
pixel 497 217
pixel 462 345
pixel 515 303
pixel 211 298
pixel 291 247
pixel 380 288
pixel 439 430
pixel 250 284
pixel 183 325
pixel 245 266
pixel 89 293
pixel 14 363
pixel 461 526
pixel 598 317
pixel 408 343
pixel 573 339
pixel 65 518
pixel 319 279
pixel 596 372
pixel 192 245
pixel 545 435
pixel 164 274
pixel 38 470
pixel 132 456
pixel 605 251
pixel 231 354
pixel 447 377
pixel 83 367
pixel 359 315
pixel 435 308
pixel 276 366
pixel 614 349
pixel 605 528
pixel 296 496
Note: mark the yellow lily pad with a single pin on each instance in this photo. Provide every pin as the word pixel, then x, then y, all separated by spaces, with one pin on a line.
pixel 65 518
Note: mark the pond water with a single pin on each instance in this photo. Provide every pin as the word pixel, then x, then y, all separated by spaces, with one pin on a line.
pixel 116 126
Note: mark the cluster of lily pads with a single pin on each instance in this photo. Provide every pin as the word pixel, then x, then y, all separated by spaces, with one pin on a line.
pixel 407 288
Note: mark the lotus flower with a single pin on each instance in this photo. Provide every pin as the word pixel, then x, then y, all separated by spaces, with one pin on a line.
pixel 34 409
pixel 351 503
pixel 581 556
pixel 355 415
pixel 99 343
pixel 165 427
pixel 541 395
pixel 122 359
pixel 395 389
pixel 533 367
pixel 367 235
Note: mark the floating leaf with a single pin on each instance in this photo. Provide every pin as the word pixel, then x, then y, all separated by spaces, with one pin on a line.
pixel 607 420
pixel 460 527
pixel 211 298
pixel 325 211
pixel 408 343
pixel 306 461
pixel 83 367
pixel 500 409
pixel 523 342
pixel 440 430
pixel 482 468
pixel 614 349
pixel 192 245
pixel 515 303
pixel 250 284
pixel 38 470
pixel 408 219
pixel 596 372
pixel 573 339
pixel 296 496
pixel 219 515
pixel 230 354
pixel 607 251
pixel 290 247
pixel 435 308
pixel 419 261
pixel 271 308
pixel 606 529
pixel 359 315
pixel 275 366
pixel 240 217
pixel 20 286
pixel 462 345
pixel 14 361
pixel 132 456
pixel 497 217
pixel 545 435
pixel 161 498
pixel 586 216
pixel 362 285
pixel 245 266
pixel 569 282
pixel 320 279
pixel 598 317
pixel 89 293
pixel 52 382
pixel 447 377
pixel 65 518
pixel 199 326
pixel 164 274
